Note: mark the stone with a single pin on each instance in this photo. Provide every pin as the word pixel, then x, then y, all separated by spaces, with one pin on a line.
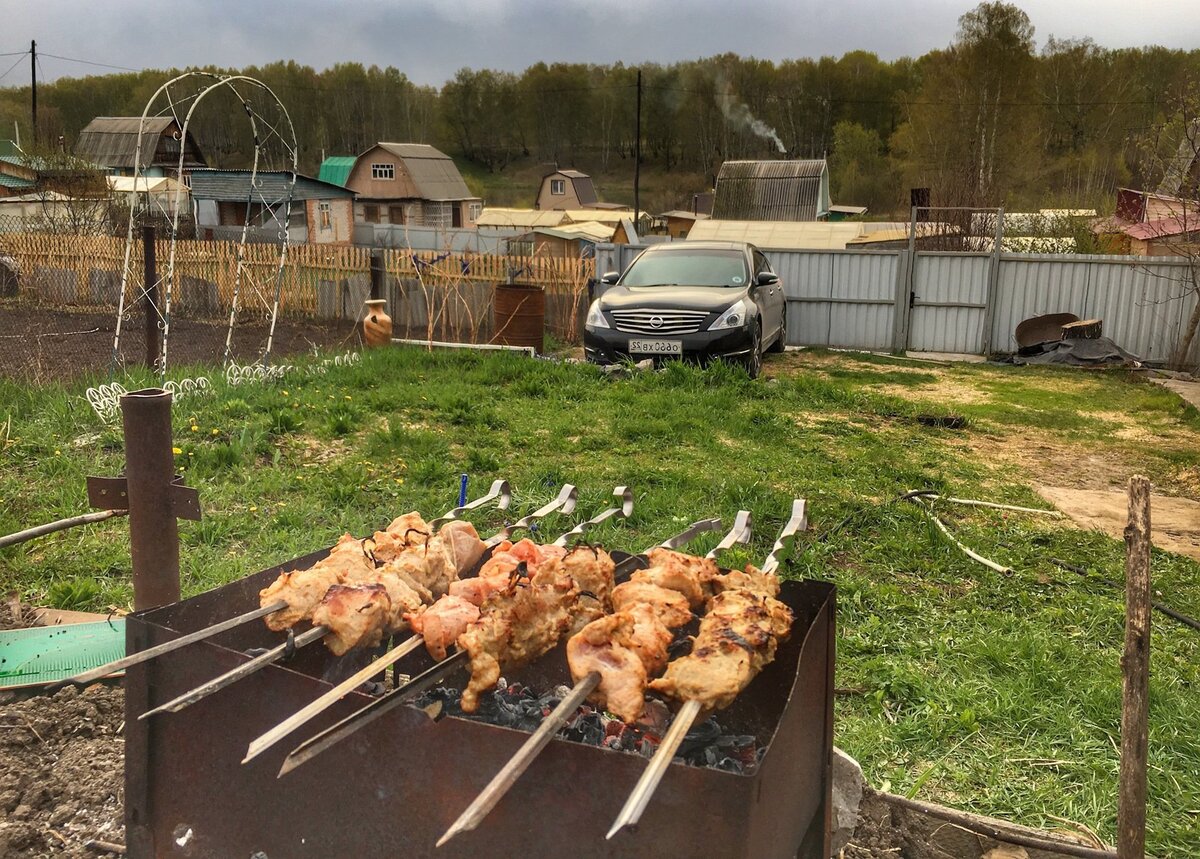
pixel 1006 851
pixel 847 796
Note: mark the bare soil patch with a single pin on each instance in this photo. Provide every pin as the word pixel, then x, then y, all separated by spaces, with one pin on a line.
pixel 47 344
pixel 61 771
pixel 1175 522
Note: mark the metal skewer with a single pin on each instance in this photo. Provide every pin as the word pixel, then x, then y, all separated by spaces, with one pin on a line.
pixel 331 736
pixel 631 813
pixel 565 502
pixel 500 490
pixel 504 780
pixel 320 705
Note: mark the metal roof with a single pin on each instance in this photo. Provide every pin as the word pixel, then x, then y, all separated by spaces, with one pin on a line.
pixel 336 169
pixel 604 216
pixel 779 235
pixel 527 218
pixel 432 171
pixel 271 186
pixel 591 231
pixel 112 141
pixel 685 214
pixel 16 183
pixel 1163 228
pixel 772 190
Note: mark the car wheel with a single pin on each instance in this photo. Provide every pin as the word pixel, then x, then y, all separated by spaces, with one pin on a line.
pixel 781 340
pixel 754 359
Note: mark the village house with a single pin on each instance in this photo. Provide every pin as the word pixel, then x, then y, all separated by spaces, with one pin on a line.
pixel 112 142
pixel 678 222
pixel 320 212
pixel 410 184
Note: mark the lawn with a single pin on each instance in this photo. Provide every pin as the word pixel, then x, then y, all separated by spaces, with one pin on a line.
pixel 991 692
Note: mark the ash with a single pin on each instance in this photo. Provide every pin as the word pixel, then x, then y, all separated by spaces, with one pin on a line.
pixel 516 706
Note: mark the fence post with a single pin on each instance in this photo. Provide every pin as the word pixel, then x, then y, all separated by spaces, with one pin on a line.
pixel 905 287
pixel 993 286
pixel 153 343
pixel 378 273
pixel 1135 668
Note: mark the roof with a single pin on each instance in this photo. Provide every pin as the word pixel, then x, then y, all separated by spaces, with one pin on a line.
pixel 432 171
pixel 849 210
pixel 1163 228
pixel 684 214
pixel 16 183
pixel 112 141
pixel 40 197
pixel 779 235
pixel 336 169
pixel 233 186
pixel 493 217
pixel 604 216
pixel 772 190
pixel 145 184
pixel 590 232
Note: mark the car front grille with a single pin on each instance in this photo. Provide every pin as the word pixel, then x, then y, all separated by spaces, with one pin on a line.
pixel 659 322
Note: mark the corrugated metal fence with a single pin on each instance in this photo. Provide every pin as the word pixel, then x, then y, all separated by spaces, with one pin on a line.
pixel 970 303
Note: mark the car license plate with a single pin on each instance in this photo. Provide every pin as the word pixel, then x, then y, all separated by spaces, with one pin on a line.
pixel 656 347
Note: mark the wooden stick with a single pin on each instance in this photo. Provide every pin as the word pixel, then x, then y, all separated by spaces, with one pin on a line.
pixel 1135 668
pixel 652 775
pixel 300 717
pixel 60 525
pixel 518 763
pixel 974 556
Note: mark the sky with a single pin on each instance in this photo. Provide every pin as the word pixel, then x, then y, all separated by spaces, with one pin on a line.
pixel 428 40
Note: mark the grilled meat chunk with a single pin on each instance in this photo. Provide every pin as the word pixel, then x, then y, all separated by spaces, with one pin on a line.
pixel 356 616
pixel 670 606
pixel 436 563
pixel 517 625
pixel 302 590
pixel 679 572
pixel 442 623
pixel 737 637
pixel 406 531
pixel 625 648
pixel 751 579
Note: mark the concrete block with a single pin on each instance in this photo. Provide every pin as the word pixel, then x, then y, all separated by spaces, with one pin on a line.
pixel 847 796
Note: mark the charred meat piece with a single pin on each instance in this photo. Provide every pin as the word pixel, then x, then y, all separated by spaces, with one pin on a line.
pixel 302 590
pixel 625 649
pixel 442 623
pixel 356 616
pixel 517 625
pixel 751 579
pixel 679 572
pixel 737 637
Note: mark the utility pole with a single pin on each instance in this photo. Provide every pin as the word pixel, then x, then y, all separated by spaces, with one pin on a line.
pixel 637 155
pixel 33 78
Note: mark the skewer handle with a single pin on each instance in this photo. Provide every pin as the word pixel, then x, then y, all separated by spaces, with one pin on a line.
pixel 624 511
pixel 564 502
pixel 518 763
pixel 652 775
pixel 500 489
pixel 739 533
pixel 798 522
pixel 149 653
pixel 305 715
pixel 202 691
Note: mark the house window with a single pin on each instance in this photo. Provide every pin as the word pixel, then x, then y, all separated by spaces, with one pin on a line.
pixel 383 171
pixel 395 214
pixel 325 215
pixel 476 210
pixel 558 187
pixel 371 214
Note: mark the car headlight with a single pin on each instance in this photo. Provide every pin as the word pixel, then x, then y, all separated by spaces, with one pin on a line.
pixel 595 319
pixel 733 317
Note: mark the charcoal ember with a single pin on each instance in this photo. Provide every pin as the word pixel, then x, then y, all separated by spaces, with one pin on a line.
pixel 587 726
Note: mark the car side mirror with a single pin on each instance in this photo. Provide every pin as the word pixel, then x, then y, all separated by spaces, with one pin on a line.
pixel 610 277
pixel 767 278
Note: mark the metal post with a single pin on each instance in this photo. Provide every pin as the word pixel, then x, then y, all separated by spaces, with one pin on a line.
pixel 149 471
pixel 153 345
pixel 637 155
pixel 993 286
pixel 377 274
pixel 33 90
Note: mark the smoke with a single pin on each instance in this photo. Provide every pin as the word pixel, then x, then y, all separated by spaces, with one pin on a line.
pixel 738 113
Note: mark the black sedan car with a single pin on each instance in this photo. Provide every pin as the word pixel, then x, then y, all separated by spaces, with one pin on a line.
pixel 693 300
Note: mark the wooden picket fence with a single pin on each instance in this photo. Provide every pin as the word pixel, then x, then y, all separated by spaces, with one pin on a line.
pixel 434 295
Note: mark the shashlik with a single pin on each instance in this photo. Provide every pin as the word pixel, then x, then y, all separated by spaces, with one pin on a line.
pixel 628 648
pixel 358 602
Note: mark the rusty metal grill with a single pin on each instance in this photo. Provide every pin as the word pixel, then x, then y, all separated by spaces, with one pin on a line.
pixel 661 322
pixel 394 786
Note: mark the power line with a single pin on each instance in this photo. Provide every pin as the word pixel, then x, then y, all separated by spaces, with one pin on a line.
pixel 89 62
pixel 14 65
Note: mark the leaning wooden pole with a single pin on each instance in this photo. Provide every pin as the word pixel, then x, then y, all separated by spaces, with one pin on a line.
pixel 1135 669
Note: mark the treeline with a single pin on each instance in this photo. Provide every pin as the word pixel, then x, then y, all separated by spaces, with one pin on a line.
pixel 991 119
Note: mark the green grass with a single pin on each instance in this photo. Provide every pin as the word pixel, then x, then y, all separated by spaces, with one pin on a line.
pixel 996 693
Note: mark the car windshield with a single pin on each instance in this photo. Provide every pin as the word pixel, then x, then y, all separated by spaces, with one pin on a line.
pixel 688 268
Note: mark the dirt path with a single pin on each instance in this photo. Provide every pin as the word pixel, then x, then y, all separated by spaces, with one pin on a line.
pixel 1175 522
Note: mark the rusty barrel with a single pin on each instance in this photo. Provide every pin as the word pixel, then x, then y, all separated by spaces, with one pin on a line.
pixel 520 315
